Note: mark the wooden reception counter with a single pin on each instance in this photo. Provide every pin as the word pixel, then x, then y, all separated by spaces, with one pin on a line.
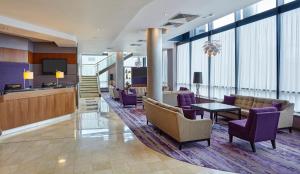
pixel 23 108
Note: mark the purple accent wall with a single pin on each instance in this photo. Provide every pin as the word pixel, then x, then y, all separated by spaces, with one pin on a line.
pixel 12 73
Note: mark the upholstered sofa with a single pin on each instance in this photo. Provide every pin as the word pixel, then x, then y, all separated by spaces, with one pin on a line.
pixel 171 121
pixel 170 97
pixel 248 102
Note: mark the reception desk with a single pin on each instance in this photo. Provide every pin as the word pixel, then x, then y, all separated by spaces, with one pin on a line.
pixel 23 108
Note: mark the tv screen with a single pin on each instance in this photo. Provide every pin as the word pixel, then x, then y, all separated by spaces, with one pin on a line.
pixel 50 66
pixel 139 76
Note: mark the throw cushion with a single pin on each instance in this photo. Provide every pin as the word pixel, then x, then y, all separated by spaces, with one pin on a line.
pixel 229 100
pixel 277 105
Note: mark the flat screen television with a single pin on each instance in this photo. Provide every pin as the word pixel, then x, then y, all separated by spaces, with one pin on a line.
pixel 50 66
pixel 139 76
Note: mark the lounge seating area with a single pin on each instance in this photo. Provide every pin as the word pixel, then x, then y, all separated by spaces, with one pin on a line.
pixel 246 103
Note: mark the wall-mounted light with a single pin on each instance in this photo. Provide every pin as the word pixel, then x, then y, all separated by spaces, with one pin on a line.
pixel 27 75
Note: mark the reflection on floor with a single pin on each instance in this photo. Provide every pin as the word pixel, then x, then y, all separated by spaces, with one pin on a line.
pixel 94 141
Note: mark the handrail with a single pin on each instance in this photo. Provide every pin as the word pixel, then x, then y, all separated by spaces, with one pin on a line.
pixel 103 59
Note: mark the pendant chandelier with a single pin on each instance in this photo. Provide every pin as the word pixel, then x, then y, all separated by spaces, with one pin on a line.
pixel 212 48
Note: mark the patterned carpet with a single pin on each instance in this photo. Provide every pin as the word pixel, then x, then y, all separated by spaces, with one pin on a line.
pixel 236 157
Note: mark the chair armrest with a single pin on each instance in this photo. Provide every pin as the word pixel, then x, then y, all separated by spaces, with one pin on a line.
pixel 194 129
pixel 286 116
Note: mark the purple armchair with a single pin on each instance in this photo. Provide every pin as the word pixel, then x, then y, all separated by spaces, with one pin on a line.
pixel 127 99
pixel 261 125
pixel 184 101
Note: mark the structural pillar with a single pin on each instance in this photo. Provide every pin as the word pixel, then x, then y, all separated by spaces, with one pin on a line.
pixel 154 63
pixel 119 80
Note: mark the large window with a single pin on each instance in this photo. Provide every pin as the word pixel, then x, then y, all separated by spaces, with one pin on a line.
pixel 257 59
pixel 223 66
pixel 183 65
pixel 290 57
pixel 199 63
pixel 223 21
pixel 259 7
pixel 250 61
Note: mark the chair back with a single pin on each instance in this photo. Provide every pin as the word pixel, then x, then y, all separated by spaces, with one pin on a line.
pixel 186 99
pixel 132 90
pixel 262 123
pixel 183 89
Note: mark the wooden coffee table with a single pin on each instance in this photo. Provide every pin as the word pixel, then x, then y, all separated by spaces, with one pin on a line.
pixel 214 108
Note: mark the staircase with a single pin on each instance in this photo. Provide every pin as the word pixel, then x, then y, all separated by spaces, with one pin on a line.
pixel 109 62
pixel 88 87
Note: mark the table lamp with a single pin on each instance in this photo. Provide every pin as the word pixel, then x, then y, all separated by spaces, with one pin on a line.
pixel 27 75
pixel 59 75
pixel 197 81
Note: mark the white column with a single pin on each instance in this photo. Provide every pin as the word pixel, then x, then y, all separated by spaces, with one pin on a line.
pixel 154 63
pixel 119 80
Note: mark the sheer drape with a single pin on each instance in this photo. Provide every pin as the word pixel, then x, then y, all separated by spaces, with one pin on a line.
pixel 183 65
pixel 200 64
pixel 290 57
pixel 257 64
pixel 223 66
pixel 165 67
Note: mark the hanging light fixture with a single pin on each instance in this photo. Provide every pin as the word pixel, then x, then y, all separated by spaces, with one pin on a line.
pixel 212 48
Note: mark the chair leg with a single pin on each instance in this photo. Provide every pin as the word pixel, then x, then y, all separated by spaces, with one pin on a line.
pixel 253 146
pixel 180 146
pixel 201 116
pixel 230 138
pixel 208 142
pixel 147 122
pixel 290 129
pixel 273 144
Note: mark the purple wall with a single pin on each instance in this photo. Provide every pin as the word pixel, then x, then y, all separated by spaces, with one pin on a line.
pixel 12 73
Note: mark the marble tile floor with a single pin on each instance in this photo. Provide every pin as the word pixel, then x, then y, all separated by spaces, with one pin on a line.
pixel 93 142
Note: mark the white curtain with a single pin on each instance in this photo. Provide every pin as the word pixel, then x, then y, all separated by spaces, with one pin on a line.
pixel 257 64
pixel 200 64
pixel 165 67
pixel 183 65
pixel 290 57
pixel 223 66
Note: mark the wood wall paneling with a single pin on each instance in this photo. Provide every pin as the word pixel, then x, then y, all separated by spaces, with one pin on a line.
pixel 19 109
pixel 38 57
pixel 13 55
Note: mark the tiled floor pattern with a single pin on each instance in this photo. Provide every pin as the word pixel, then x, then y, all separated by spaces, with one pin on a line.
pixel 94 141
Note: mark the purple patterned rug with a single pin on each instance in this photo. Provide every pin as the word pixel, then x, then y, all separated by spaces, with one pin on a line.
pixel 221 155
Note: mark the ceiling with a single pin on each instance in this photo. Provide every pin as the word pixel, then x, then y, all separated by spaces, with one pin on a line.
pixel 99 24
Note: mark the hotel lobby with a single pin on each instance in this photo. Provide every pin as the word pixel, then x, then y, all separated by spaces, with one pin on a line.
pixel 149 86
